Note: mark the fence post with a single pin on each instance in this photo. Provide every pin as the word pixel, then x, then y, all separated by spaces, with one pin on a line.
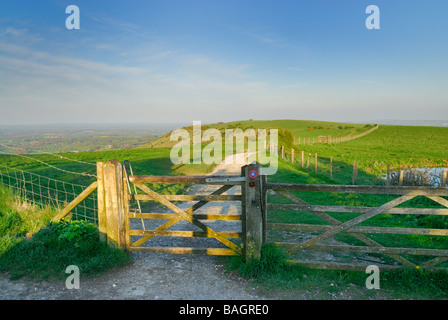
pixel 102 222
pixel 355 172
pixel 331 167
pixel 252 211
pixel 114 209
pixel 444 174
pixel 303 158
pixel 388 175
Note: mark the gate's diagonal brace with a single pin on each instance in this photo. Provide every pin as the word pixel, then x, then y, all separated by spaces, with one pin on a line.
pixel 334 221
pixel 169 223
pixel 182 215
pixel 438 260
pixel 347 225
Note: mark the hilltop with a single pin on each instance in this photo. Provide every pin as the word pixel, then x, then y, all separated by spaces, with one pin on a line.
pixel 298 128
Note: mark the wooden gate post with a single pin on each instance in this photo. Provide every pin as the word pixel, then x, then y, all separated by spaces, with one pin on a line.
pixel 112 203
pixel 253 229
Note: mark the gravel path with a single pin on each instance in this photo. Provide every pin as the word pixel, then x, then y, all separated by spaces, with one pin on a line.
pixel 151 276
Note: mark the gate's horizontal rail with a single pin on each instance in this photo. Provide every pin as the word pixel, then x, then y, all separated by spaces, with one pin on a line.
pixel 197 216
pixel 188 234
pixel 398 190
pixel 219 180
pixel 352 227
pixel 187 250
pixel 342 266
pixel 317 208
pixel 365 249
pixel 181 197
pixel 388 230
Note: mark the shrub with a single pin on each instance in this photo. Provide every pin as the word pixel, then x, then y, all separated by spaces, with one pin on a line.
pixel 57 246
pixel 272 261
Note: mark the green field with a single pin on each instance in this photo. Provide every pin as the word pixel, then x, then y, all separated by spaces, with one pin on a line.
pixel 397 145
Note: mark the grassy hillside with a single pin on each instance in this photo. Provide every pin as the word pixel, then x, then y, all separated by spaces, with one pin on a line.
pixel 397 145
pixel 55 245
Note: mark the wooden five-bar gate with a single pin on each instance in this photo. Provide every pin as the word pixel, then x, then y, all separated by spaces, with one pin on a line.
pixel 117 190
pixel 258 200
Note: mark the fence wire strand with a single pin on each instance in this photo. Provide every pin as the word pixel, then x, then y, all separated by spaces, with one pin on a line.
pixel 47 191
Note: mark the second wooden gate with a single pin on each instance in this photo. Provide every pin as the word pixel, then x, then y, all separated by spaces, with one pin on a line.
pixel 170 214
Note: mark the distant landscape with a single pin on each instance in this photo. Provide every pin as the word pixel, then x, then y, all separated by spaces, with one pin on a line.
pixel 56 138
pixel 148 146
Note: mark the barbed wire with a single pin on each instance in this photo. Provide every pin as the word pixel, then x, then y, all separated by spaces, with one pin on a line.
pixel 49 165
pixel 49 192
pixel 49 153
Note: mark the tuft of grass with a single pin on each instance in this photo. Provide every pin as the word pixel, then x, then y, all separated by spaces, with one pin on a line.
pixel 53 247
pixel 272 261
pixel 57 246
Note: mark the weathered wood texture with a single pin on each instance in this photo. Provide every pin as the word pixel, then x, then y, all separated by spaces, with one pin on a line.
pixel 115 202
pixel 252 211
pixel 188 214
pixel 352 226
pixel 64 212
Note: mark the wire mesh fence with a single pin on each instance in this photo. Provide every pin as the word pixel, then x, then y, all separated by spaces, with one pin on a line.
pixel 47 191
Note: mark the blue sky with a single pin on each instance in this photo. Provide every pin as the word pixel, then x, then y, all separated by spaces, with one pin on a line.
pixel 180 61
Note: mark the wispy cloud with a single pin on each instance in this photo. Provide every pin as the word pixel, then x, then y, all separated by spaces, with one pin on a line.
pixel 13 31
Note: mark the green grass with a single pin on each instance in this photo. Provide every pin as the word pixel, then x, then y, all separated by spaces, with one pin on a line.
pixel 397 145
pixel 291 280
pixel 55 245
pixel 276 276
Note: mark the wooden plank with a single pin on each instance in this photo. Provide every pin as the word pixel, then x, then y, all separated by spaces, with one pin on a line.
pixel 102 222
pixel 331 167
pixel 197 216
pixel 346 225
pixel 298 201
pixel 385 230
pixel 186 216
pixel 185 234
pixel 196 197
pixel 341 266
pixel 264 200
pixel 433 262
pixel 292 247
pixel 75 202
pixel 175 219
pixel 203 203
pixel 252 218
pixel 220 180
pixel 388 175
pixel 334 221
pixel 394 190
pixel 188 250
pixel 164 226
pixel 115 203
pixel 126 222
pixel 439 200
pixel 318 208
